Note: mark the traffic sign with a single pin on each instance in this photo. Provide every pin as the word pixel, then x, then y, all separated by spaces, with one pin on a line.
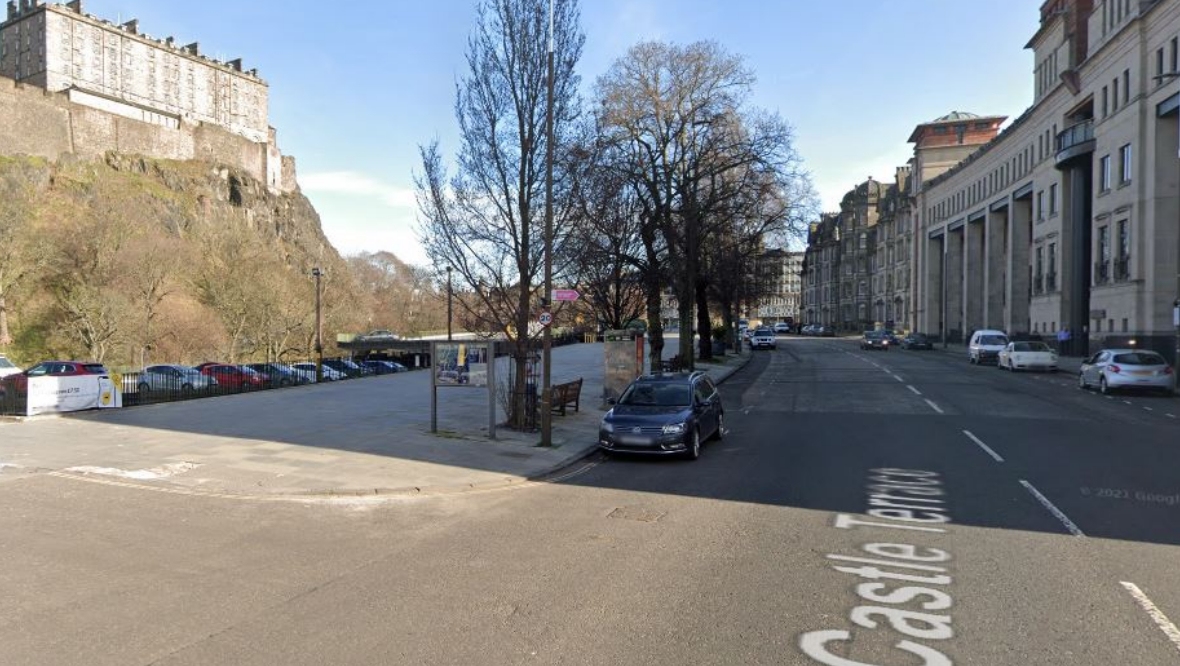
pixel 565 294
pixel 545 318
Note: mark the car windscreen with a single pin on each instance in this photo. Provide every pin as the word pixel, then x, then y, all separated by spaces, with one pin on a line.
pixel 1140 358
pixel 993 340
pixel 655 395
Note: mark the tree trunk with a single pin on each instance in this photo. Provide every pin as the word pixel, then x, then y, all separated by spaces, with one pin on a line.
pixel 5 338
pixel 704 325
pixel 655 326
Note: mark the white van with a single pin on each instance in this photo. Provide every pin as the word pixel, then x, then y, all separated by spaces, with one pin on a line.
pixel 986 345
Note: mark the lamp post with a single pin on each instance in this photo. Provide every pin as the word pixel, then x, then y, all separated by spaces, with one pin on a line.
pixel 547 334
pixel 319 343
pixel 449 292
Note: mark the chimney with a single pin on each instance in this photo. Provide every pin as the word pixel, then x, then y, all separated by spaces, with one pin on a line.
pixel 11 9
pixel 169 41
pixel 192 49
pixel 132 26
pixel 74 6
pixel 236 64
pixel 24 6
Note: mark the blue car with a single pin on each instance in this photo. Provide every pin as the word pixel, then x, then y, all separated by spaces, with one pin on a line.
pixel 665 415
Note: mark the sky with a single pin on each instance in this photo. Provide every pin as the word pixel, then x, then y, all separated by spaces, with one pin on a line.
pixel 357 87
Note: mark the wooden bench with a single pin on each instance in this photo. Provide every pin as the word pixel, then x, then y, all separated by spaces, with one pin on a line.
pixel 563 395
pixel 674 364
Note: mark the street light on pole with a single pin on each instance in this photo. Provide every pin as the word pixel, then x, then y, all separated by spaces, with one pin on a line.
pixel 319 342
pixel 547 334
pixel 449 303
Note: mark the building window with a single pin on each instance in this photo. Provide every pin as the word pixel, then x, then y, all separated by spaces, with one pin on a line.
pixel 1126 86
pixel 1104 174
pixel 1102 268
pixel 1159 67
pixel 1125 164
pixel 1114 95
pixel 1172 56
pixel 1051 275
pixel 1039 272
pixel 1124 324
pixel 1105 102
pixel 1052 199
pixel 1122 262
pixel 1040 205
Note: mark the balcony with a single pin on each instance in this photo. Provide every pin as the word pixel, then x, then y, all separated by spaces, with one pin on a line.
pixel 1038 284
pixel 1101 272
pixel 1122 267
pixel 1050 282
pixel 1075 141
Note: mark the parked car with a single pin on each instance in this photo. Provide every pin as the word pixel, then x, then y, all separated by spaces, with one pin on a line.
pixel 383 367
pixel 234 377
pixel 19 382
pixel 825 331
pixel 763 338
pixel 7 367
pixel 1027 356
pixel 986 345
pixel 782 327
pixel 306 369
pixel 173 379
pixel 349 368
pixel 666 414
pixel 916 341
pixel 380 335
pixel 1137 369
pixel 278 374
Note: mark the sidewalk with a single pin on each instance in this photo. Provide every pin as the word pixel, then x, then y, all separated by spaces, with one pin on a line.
pixel 368 437
pixel 1065 364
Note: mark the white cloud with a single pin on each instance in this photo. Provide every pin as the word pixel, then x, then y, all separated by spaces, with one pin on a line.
pixel 351 182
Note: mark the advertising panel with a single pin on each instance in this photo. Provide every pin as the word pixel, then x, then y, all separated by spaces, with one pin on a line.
pixel 72 394
pixel 461 364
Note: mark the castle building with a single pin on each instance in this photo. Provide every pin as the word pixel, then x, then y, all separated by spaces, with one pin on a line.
pixel 120 71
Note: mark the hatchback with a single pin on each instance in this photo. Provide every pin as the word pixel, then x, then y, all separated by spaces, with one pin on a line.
pixel 235 377
pixel 666 414
pixel 7 367
pixel 1138 369
pixel 19 382
pixel 173 378
pixel 875 340
pixel 916 341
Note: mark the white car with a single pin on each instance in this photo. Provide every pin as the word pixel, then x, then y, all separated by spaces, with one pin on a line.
pixel 763 338
pixel 1027 356
pixel 782 327
pixel 173 379
pixel 307 370
pixel 7 368
pixel 986 346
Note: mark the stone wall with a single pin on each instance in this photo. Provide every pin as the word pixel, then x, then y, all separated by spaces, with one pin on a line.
pixel 49 125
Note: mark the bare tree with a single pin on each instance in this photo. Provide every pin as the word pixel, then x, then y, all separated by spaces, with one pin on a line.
pixel 485 221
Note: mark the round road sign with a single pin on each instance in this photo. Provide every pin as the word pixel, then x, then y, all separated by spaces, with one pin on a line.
pixel 546 318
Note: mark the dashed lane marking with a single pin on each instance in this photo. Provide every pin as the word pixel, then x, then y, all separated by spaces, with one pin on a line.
pixel 934 406
pixel 911 387
pixel 1171 416
pixel 1126 402
pixel 1149 409
pixel 1154 613
pixel 1057 513
pixel 899 379
pixel 983 446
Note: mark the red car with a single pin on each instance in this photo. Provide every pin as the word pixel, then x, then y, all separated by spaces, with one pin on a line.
pixel 234 377
pixel 19 383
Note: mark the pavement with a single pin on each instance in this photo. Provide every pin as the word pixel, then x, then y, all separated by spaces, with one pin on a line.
pixel 369 437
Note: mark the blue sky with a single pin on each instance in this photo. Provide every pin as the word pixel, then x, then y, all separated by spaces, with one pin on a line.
pixel 356 87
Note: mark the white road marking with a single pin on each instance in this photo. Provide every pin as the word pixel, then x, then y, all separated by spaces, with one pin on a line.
pixel 983 446
pixel 1109 397
pixel 1156 614
pixel 1069 525
pixel 1171 416
pixel 911 387
pixel 899 379
pixel 1149 409
pixel 1126 402
pixel 161 472
pixel 934 406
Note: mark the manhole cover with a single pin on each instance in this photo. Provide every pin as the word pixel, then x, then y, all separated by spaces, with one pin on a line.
pixel 642 514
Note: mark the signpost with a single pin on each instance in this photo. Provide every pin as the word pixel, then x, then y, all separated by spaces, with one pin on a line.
pixel 545 318
pixel 565 294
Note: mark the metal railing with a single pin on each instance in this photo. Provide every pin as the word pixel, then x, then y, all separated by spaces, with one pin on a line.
pixel 1075 135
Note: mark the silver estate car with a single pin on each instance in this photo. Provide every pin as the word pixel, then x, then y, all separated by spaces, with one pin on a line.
pixel 1139 369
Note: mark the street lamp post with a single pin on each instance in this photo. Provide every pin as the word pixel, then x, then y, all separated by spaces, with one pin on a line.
pixel 547 334
pixel 319 342
pixel 449 293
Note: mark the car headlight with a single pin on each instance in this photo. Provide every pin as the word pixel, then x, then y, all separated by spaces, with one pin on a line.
pixel 607 426
pixel 674 429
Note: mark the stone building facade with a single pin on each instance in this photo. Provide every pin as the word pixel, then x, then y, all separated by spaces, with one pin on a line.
pixel 779 272
pixel 125 74
pixel 1070 217
pixel 821 272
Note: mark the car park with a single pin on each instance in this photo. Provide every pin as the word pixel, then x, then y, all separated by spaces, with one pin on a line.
pixel 1129 369
pixel 279 374
pixel 985 346
pixel 170 378
pixel 350 369
pixel 382 367
pixel 665 414
pixel 763 338
pixel 1027 355
pixel 916 341
pixel 875 340
pixel 234 377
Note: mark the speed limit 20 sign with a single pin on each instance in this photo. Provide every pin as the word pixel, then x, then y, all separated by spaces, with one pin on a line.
pixel 545 318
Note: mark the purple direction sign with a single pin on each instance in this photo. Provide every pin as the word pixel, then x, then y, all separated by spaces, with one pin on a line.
pixel 565 294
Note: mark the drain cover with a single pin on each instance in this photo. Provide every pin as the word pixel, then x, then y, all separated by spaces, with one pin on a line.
pixel 642 514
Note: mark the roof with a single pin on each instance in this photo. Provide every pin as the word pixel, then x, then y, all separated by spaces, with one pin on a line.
pixel 956 115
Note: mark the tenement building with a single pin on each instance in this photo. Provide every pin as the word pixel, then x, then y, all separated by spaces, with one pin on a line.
pixel 1069 218
pixel 125 74
pixel 778 272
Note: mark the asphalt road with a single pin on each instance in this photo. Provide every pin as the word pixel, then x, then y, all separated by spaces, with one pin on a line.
pixel 862 505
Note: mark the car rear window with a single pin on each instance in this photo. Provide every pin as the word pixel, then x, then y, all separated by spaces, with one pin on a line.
pixel 95 368
pixel 993 340
pixel 1030 347
pixel 1140 358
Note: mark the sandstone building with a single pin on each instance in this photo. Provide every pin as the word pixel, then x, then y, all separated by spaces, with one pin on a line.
pixel 779 273
pixel 107 87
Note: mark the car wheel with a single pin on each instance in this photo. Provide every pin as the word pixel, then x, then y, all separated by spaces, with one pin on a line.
pixel 694 446
pixel 1082 382
pixel 187 388
pixel 1103 387
pixel 143 387
pixel 720 434
pixel 971 360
